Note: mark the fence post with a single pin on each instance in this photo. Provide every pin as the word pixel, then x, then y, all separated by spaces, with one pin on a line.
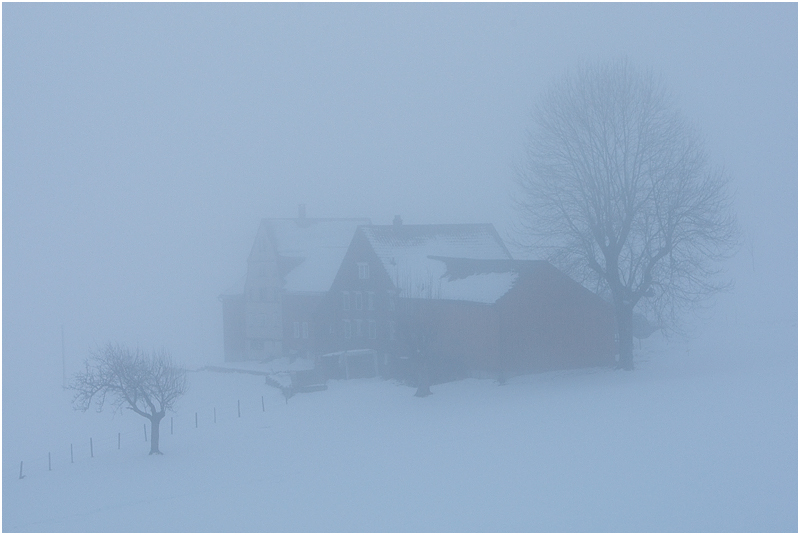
pixel 49 466
pixel 170 424
pixel 145 431
pixel 91 447
pixel 215 415
pixel 195 420
pixel 262 403
pixel 119 440
pixel 239 408
pixel 71 457
pixel 20 470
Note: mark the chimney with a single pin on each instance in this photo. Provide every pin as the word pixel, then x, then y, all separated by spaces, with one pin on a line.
pixel 301 211
pixel 397 222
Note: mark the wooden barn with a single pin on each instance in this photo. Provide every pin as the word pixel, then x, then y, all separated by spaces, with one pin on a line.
pixel 452 296
pixel 535 319
pixel 367 299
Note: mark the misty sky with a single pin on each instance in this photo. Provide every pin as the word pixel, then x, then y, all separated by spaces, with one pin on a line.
pixel 142 143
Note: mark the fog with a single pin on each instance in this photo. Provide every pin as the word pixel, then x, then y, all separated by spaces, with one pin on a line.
pixel 143 143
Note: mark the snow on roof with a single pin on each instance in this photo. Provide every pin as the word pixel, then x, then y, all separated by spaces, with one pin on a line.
pixel 480 288
pixel 412 256
pixel 318 244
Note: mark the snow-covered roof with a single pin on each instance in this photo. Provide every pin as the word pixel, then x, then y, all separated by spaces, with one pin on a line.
pixel 480 288
pixel 317 246
pixel 414 258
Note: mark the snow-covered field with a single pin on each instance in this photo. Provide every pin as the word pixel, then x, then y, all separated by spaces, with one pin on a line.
pixel 701 437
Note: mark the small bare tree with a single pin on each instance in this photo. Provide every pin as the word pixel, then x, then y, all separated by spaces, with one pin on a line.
pixel 618 192
pixel 149 385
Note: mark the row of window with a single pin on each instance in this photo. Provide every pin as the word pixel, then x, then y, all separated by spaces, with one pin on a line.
pixel 355 329
pixel 350 329
pixel 357 301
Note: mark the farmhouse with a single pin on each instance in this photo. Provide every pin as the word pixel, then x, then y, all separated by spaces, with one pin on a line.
pixel 453 293
pixel 291 266
pixel 379 299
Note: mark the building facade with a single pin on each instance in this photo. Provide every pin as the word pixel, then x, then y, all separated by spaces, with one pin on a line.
pixel 389 297
pixel 291 266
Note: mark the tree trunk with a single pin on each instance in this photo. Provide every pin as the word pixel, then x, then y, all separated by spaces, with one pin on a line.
pixel 423 379
pixel 155 423
pixel 624 315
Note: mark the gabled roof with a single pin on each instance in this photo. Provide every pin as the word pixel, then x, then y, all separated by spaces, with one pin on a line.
pixel 412 256
pixel 310 251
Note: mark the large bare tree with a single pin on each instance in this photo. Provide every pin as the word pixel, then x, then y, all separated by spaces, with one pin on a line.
pixel 149 385
pixel 617 190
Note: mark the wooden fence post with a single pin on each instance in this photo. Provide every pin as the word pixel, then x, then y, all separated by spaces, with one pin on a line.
pixel 119 440
pixel 91 447
pixel 262 404
pixel 20 470
pixel 195 420
pixel 71 457
pixel 239 408
pixel 170 424
pixel 49 466
pixel 145 431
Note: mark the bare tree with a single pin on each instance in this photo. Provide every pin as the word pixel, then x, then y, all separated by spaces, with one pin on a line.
pixel 149 385
pixel 416 331
pixel 617 191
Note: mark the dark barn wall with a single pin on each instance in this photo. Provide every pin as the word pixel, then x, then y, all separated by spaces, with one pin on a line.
pixel 466 336
pixel 233 327
pixel 548 321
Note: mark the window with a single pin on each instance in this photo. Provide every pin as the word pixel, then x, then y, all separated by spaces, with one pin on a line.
pixel 305 330
pixel 345 300
pixel 363 270
pixel 346 329
pixel 372 329
pixel 297 329
pixel 392 331
pixel 358 300
pixel 359 331
pixel 370 300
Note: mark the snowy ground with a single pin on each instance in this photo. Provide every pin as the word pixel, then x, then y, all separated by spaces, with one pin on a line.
pixel 701 437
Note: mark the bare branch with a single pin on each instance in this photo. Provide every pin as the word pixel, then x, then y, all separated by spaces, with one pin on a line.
pixel 148 385
pixel 617 191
